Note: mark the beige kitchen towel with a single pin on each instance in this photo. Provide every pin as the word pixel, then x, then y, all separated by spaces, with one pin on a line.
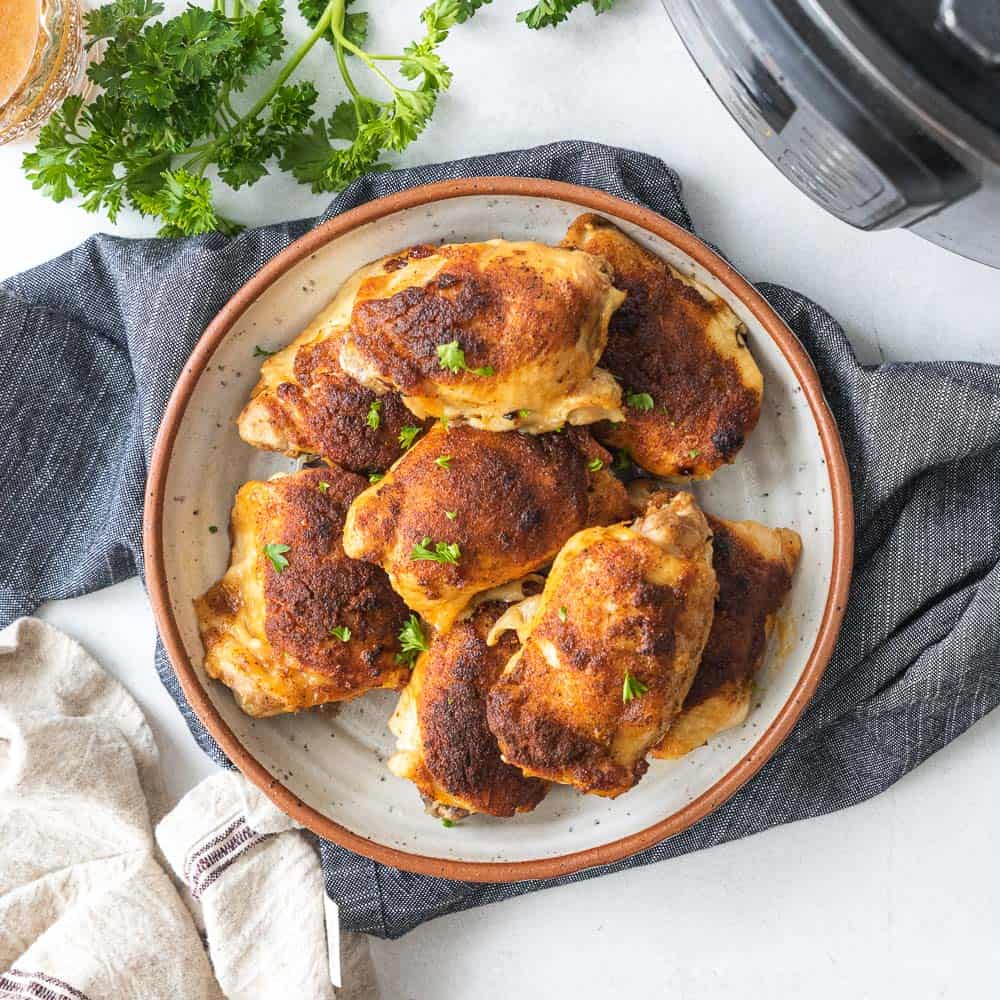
pixel 86 910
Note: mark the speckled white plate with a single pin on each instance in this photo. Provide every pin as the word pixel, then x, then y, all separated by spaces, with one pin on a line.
pixel 328 770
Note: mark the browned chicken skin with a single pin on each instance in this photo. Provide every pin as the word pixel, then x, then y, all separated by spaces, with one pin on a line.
pixel 754 565
pixel 444 745
pixel 677 342
pixel 508 501
pixel 305 403
pixel 521 325
pixel 267 634
pixel 609 650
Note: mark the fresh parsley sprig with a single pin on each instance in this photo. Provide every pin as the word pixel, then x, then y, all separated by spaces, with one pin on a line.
pixel 169 106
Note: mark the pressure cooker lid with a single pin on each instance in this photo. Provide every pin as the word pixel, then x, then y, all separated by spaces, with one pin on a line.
pixel 953 44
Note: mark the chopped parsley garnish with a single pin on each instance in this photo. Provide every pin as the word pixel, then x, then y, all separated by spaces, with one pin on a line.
pixel 452 357
pixel 623 462
pixel 322 486
pixel 632 687
pixel 373 419
pixel 444 461
pixel 412 641
pixel 447 823
pixel 451 514
pixel 376 477
pixel 562 614
pixel 694 453
pixel 524 414
pixel 212 529
pixel 407 436
pixel 276 553
pixel 441 552
pixel 639 400
pixel 341 632
pixel 259 352
pixel 595 464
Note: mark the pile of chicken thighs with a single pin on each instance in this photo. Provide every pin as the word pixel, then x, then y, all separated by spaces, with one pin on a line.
pixel 490 518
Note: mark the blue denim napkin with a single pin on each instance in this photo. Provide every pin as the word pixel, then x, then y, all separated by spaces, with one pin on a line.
pixel 90 347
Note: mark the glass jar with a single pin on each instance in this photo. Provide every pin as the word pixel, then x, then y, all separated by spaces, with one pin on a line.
pixel 41 61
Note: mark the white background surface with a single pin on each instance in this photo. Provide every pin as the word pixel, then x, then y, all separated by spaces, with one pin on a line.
pixel 895 898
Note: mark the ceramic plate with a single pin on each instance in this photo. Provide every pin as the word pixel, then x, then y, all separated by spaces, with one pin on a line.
pixel 328 769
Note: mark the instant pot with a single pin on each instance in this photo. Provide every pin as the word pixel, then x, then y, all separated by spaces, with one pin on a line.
pixel 885 112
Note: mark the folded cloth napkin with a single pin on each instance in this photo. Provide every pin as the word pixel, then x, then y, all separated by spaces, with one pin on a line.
pixel 90 347
pixel 86 910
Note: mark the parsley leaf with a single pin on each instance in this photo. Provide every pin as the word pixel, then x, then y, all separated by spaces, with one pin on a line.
pixel 549 13
pixel 276 553
pixel 373 419
pixel 376 477
pixel 323 486
pixel 412 641
pixel 452 357
pixel 595 464
pixel 407 436
pixel 632 687
pixel 169 105
pixel 341 632
pixel 259 352
pixel 451 514
pixel 622 464
pixel 444 461
pixel 562 614
pixel 441 552
pixel 639 400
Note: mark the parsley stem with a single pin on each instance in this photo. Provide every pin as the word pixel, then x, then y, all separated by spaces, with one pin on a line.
pixel 322 26
pixel 345 75
pixel 363 56
pixel 348 82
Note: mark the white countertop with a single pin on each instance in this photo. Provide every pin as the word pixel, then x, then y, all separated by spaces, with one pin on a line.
pixel 894 898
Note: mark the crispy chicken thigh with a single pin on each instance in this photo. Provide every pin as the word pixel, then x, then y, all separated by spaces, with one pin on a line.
pixel 609 650
pixel 466 510
pixel 499 335
pixel 443 743
pixel 754 565
pixel 304 402
pixel 304 625
pixel 692 390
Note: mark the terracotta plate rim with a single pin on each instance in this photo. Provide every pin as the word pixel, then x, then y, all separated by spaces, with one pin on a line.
pixel 729 783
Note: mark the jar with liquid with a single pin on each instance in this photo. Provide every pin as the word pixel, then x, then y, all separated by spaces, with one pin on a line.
pixel 41 61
